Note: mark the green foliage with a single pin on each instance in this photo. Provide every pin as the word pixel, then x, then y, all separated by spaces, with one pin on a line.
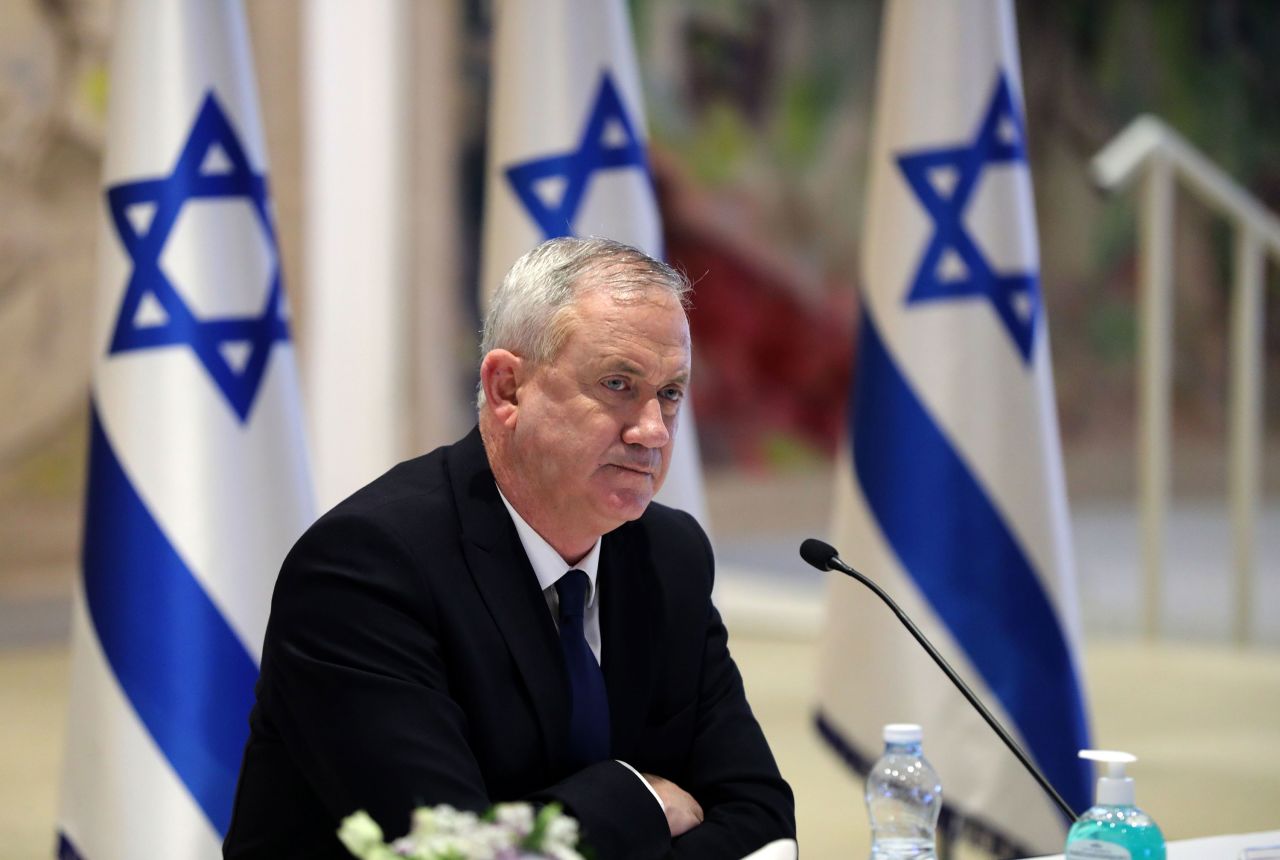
pixel 1112 329
pixel 785 452
pixel 719 145
pixel 1116 231
pixel 807 104
pixel 541 824
pixel 1208 69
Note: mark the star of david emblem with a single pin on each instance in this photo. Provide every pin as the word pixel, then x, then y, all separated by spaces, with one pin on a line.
pixel 552 188
pixel 953 265
pixel 233 349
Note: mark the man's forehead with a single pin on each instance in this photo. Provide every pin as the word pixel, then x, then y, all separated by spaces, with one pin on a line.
pixel 630 337
pixel 635 294
pixel 655 316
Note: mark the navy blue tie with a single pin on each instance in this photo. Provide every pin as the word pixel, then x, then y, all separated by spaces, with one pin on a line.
pixel 589 712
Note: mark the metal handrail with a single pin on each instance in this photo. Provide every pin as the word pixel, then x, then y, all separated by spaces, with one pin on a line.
pixel 1149 149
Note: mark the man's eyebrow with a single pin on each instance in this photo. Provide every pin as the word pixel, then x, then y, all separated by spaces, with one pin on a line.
pixel 622 365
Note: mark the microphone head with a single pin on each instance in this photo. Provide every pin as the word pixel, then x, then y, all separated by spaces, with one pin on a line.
pixel 817 553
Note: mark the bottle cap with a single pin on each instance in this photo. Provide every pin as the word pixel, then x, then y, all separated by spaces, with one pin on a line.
pixel 1114 789
pixel 903 733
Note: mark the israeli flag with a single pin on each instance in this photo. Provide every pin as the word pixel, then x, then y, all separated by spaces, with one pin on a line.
pixel 198 480
pixel 951 493
pixel 568 157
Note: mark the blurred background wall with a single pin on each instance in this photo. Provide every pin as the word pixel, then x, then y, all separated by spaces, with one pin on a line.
pixel 759 115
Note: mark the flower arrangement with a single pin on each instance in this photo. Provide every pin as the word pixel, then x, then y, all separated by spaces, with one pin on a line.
pixel 508 831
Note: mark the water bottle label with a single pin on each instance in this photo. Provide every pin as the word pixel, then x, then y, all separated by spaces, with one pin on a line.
pixel 1096 849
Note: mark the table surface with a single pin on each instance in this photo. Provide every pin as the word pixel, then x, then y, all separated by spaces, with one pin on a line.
pixel 1231 847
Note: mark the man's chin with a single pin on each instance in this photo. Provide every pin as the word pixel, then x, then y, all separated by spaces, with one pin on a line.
pixel 626 505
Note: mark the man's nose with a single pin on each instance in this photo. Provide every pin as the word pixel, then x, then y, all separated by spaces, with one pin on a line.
pixel 650 427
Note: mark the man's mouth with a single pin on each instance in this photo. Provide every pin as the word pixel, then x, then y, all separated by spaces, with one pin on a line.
pixel 647 471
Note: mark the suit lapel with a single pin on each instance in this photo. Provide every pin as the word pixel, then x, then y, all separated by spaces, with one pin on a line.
pixel 509 588
pixel 628 618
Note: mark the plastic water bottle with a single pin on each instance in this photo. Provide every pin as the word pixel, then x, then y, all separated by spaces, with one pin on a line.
pixel 904 798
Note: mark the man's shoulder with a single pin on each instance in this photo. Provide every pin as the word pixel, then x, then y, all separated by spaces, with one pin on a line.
pixel 414 494
pixel 406 490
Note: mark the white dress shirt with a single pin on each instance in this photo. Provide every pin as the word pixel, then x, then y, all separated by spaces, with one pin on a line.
pixel 548 566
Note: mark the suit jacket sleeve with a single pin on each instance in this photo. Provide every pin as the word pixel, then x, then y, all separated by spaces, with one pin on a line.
pixel 351 652
pixel 729 768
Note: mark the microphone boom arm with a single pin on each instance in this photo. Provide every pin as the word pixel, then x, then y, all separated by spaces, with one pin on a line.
pixel 836 563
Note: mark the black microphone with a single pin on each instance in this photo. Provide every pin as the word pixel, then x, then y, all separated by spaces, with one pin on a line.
pixel 823 556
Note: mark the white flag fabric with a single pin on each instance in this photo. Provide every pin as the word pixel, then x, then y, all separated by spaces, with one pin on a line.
pixel 951 492
pixel 567 157
pixel 197 482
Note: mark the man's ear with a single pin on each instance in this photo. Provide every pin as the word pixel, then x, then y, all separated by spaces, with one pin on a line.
pixel 500 379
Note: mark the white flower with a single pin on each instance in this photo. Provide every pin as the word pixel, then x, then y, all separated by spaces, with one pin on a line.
pixel 445 833
pixel 562 832
pixel 423 821
pixel 516 816
pixel 456 845
pixel 363 837
pixel 450 820
pixel 562 852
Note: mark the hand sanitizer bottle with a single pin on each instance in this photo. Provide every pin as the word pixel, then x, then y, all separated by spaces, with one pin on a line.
pixel 1114 829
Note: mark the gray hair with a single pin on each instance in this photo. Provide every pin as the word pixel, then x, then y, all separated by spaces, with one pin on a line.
pixel 529 314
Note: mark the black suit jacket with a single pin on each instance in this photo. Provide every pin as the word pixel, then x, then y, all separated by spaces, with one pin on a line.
pixel 410 659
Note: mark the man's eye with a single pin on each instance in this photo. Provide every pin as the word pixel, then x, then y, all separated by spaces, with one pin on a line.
pixel 615 384
pixel 672 393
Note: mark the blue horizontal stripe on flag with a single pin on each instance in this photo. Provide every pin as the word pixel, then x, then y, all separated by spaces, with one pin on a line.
pixel 180 664
pixel 958 549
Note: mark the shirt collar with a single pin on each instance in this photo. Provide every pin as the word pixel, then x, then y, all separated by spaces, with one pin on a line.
pixel 548 566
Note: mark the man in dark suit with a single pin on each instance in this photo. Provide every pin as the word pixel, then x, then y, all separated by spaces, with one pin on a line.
pixel 509 617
